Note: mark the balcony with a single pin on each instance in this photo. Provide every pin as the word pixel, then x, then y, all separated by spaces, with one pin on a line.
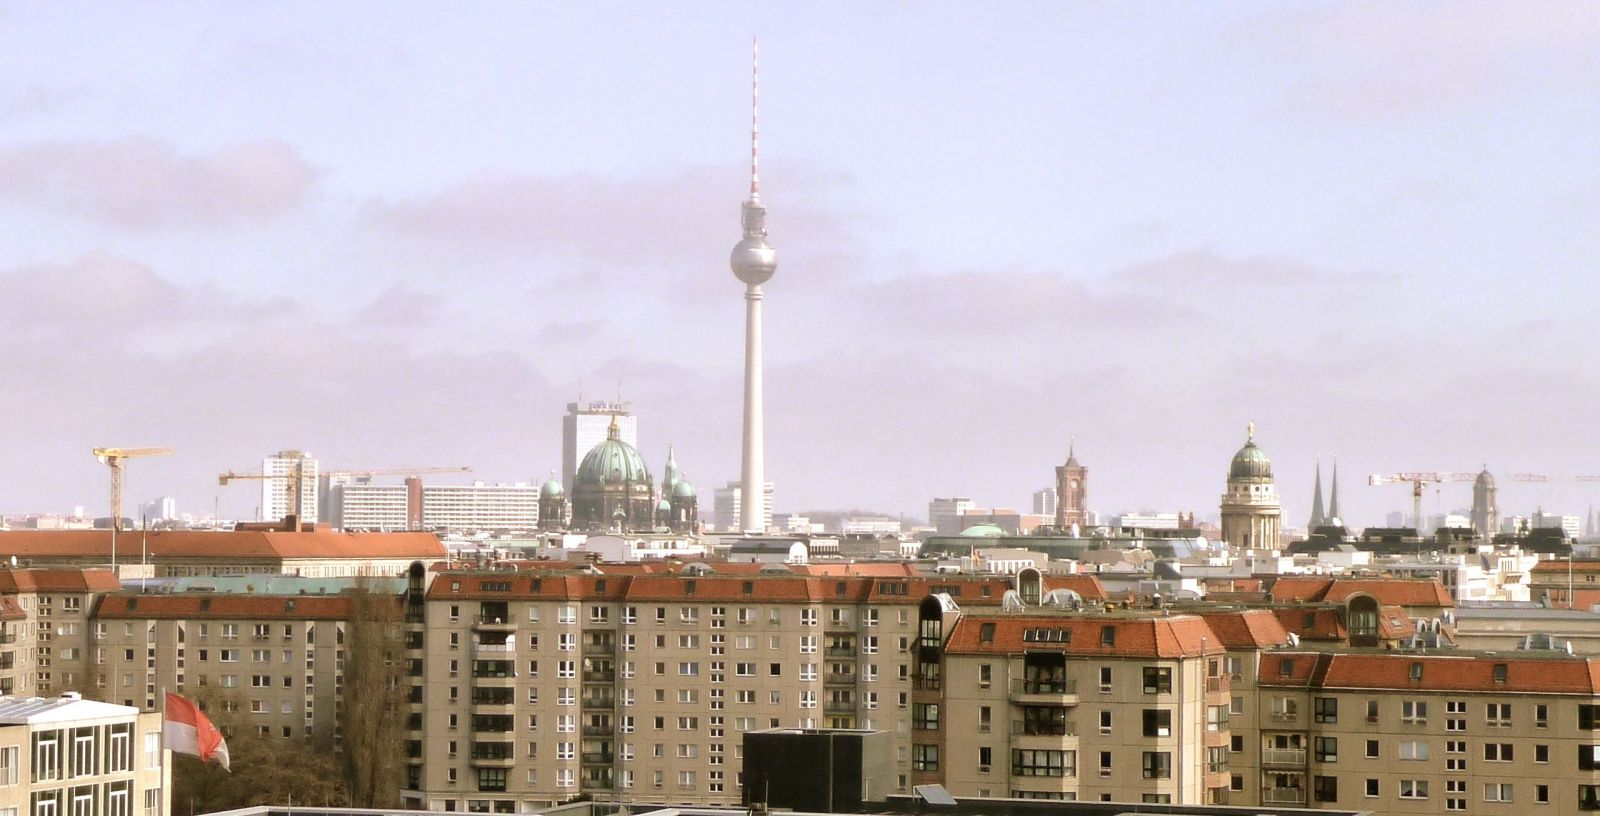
pixel 1283 796
pixel 840 707
pixel 492 754
pixel 597 757
pixel 599 701
pixel 1218 685
pixel 8 637
pixel 493 697
pixel 599 677
pixel 605 647
pixel 839 679
pixel 1044 692
pixel 505 648
pixel 1293 757
pixel 599 730
pixel 1021 728
pixel 495 622
pixel 839 651
pixel 1286 716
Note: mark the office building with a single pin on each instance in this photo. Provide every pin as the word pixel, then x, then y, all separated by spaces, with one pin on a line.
pixel 275 491
pixel 1044 502
pixel 587 424
pixel 728 508
pixel 944 515
pixel 67 756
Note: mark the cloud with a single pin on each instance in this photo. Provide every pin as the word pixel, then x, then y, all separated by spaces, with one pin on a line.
pixel 140 183
pixel 400 307
pixel 39 100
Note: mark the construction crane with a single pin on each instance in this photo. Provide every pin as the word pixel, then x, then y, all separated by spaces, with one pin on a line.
pixel 1418 481
pixel 296 478
pixel 114 458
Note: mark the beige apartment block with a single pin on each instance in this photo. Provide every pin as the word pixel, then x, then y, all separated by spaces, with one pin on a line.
pixel 1484 733
pixel 277 659
pixel 65 756
pixel 47 641
pixel 543 687
pixel 317 553
pixel 1119 705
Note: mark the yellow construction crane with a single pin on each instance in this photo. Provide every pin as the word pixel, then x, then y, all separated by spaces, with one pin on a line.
pixel 1419 480
pixel 296 477
pixel 113 458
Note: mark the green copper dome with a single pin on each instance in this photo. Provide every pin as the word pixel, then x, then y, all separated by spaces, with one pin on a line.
pixel 552 489
pixel 1250 463
pixel 683 490
pixel 612 462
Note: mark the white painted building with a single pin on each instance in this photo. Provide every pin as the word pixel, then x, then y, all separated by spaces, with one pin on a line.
pixel 275 492
pixel 727 503
pixel 478 506
pixel 587 424
pixel 66 756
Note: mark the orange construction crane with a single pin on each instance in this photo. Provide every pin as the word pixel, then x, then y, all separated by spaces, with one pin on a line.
pixel 1419 480
pixel 113 458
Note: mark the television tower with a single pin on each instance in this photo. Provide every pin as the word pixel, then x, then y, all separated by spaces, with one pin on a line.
pixel 753 262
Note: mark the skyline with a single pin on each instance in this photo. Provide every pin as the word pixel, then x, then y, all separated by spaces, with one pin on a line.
pixel 1368 233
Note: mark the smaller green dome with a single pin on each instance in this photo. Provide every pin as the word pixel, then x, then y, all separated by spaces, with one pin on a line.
pixel 663 506
pixel 683 490
pixel 1250 463
pixel 552 489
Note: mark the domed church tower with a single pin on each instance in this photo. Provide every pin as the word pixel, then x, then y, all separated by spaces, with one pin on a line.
pixel 612 488
pixel 1250 509
pixel 552 505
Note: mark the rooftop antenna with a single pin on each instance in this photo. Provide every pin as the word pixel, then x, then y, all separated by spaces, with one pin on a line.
pixel 755 119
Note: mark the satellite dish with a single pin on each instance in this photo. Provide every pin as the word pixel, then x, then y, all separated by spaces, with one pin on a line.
pixel 13 562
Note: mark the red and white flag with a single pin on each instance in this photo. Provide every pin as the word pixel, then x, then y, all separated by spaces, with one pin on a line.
pixel 187 730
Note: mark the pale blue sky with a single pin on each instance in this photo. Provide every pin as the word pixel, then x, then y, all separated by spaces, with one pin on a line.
pixel 403 233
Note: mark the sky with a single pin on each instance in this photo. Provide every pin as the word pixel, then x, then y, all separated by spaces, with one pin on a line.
pixel 403 235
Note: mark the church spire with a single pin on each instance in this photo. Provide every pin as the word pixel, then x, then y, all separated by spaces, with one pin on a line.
pixel 1318 519
pixel 1333 499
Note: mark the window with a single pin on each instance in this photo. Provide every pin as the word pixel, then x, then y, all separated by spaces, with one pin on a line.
pixel 1372 788
pixel 1157 765
pixel 1043 762
pixel 1157 722
pixel 1413 789
pixel 1414 711
pixel 1413 750
pixel 1325 788
pixel 1372 749
pixel 1497 752
pixel 1105 720
pixel 1157 680
pixel 985 759
pixel 1588 717
pixel 1498 715
pixel 1588 757
pixel 1327 749
pixel 1541 753
pixel 1497 792
pixel 1105 678
pixel 1325 710
pixel 1589 797
pixel 925 716
pixel 9 769
pixel 985 675
pixel 925 757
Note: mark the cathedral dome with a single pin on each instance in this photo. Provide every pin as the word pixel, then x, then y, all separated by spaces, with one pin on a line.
pixel 683 490
pixel 612 462
pixel 1484 479
pixel 663 506
pixel 552 489
pixel 1250 463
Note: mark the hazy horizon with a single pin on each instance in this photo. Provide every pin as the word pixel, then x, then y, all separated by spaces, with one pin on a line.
pixel 409 235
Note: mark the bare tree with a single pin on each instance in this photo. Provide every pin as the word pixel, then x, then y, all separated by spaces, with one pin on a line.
pixel 371 711
pixel 267 770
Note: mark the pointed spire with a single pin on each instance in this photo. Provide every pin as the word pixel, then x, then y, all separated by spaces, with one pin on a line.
pixel 1333 500
pixel 1318 519
pixel 1072 452
pixel 755 119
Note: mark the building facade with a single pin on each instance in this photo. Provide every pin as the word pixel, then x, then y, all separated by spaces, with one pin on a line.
pixel 586 424
pixel 1072 492
pixel 67 756
pixel 728 505
pixel 275 491
pixel 1251 513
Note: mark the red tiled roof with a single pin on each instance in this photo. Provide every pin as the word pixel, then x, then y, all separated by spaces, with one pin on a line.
pixel 10 610
pixel 1394 591
pixel 1155 636
pixel 1463 673
pixel 1246 629
pixel 58 580
pixel 878 569
pixel 210 606
pixel 1087 586
pixel 1313 622
pixel 1553 565
pixel 44 544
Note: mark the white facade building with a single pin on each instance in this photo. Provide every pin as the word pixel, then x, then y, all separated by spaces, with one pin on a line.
pixel 480 506
pixel 587 424
pixel 354 506
pixel 275 492
pixel 727 504
pixel 1044 502
pixel 66 756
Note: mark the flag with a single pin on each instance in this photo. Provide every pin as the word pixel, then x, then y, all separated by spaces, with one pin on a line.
pixel 187 730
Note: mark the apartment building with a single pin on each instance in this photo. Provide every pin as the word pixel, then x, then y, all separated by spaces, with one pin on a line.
pixel 46 618
pixel 1060 704
pixel 1514 732
pixel 277 658
pixel 66 756
pixel 538 688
